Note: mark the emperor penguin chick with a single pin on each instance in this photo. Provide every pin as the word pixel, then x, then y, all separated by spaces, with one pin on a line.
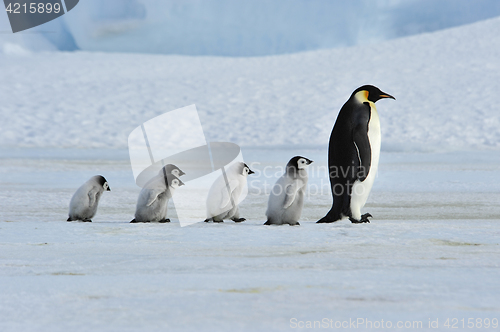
pixel 171 169
pixel 83 205
pixel 287 197
pixel 222 200
pixel 153 198
pixel 167 169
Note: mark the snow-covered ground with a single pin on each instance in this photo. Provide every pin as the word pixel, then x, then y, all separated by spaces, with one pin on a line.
pixel 431 251
pixel 444 83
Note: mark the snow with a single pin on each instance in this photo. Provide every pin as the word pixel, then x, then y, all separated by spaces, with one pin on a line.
pixel 443 83
pixel 431 251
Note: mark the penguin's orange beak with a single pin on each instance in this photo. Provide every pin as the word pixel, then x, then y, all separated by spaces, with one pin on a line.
pixel 386 95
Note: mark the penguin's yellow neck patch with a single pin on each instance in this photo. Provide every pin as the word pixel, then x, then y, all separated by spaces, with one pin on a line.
pixel 362 96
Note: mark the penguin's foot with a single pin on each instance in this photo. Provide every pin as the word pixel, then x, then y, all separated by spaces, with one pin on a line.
pixel 69 219
pixel 267 223
pixel 136 222
pixel 213 220
pixel 86 220
pixel 364 219
pixel 296 224
pixel 239 219
pixel 164 221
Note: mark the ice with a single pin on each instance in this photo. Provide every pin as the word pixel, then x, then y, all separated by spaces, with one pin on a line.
pixel 431 251
pixel 242 28
pixel 443 83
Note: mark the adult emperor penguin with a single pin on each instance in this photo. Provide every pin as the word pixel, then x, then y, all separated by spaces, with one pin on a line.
pixel 353 155
pixel 222 200
pixel 83 204
pixel 153 198
pixel 287 197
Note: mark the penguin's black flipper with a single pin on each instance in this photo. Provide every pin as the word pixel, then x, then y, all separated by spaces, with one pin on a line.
pixel 360 138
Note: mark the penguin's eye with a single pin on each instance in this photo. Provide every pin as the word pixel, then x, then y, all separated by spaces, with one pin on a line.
pixel 176 182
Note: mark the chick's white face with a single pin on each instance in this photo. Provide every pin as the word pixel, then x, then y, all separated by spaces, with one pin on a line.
pixel 246 171
pixel 175 172
pixel 105 186
pixel 302 163
pixel 175 184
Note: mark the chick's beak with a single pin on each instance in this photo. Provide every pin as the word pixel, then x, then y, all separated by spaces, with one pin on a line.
pixel 250 171
pixel 109 189
pixel 309 161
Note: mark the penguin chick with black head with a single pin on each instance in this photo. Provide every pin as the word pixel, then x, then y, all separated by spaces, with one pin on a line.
pixel 287 197
pixel 353 155
pixel 223 197
pixel 172 169
pixel 83 204
pixel 153 198
pixel 167 169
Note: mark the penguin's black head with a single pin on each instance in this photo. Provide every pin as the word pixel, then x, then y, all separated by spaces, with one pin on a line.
pixel 299 162
pixel 172 169
pixel 247 170
pixel 102 181
pixel 372 93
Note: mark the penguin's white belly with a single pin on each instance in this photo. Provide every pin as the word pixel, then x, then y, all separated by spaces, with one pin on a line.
pixel 80 204
pixel 214 208
pixel 361 190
